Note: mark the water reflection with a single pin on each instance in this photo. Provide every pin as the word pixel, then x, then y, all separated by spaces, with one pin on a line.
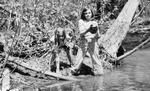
pixel 133 75
pixel 89 84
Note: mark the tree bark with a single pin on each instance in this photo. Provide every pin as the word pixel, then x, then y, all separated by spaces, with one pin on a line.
pixel 29 69
pixel 114 36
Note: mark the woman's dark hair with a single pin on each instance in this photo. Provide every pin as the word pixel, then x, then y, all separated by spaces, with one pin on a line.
pixel 83 13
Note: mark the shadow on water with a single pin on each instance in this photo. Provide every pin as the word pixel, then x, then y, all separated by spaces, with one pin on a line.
pixel 132 75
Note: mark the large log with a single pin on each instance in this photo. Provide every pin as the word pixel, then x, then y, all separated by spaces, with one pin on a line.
pixel 134 49
pixel 114 36
pixel 27 68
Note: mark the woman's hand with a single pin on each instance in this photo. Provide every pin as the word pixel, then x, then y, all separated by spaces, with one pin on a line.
pixel 70 44
pixel 94 24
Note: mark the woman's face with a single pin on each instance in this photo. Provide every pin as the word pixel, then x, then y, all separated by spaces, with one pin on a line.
pixel 88 14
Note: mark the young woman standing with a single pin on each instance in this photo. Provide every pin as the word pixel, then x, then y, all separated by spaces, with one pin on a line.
pixel 88 29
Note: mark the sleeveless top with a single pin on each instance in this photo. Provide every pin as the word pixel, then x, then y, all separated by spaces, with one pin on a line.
pixel 93 31
pixel 85 25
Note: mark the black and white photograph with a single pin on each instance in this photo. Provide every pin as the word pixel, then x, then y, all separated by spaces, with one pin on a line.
pixel 74 45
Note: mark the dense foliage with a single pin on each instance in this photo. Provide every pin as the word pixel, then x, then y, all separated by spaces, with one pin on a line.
pixel 27 25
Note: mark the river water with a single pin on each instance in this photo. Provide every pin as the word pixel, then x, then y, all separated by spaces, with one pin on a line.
pixel 132 75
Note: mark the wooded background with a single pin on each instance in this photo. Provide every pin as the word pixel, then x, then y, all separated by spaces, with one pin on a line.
pixel 27 25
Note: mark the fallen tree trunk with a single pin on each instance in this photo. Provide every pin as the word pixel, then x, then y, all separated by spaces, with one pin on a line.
pixel 114 36
pixel 133 50
pixel 32 70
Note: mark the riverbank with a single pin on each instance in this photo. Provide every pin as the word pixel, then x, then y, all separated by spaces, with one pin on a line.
pixel 132 75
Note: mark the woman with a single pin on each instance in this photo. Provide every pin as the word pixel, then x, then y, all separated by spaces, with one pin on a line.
pixel 88 29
